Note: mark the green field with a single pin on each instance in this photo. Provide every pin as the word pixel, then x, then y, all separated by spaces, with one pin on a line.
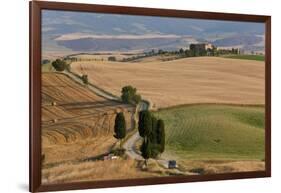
pixel 207 132
pixel 246 57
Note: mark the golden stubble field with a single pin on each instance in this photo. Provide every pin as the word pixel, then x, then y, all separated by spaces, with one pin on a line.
pixel 76 125
pixel 79 125
pixel 182 81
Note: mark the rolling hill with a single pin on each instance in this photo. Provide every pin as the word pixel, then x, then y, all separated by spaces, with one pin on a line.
pixel 90 32
pixel 182 81
pixel 214 132
pixel 76 123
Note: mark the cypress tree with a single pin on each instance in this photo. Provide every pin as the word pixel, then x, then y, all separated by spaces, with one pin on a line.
pixel 153 138
pixel 146 150
pixel 120 127
pixel 145 124
pixel 161 135
pixel 153 135
pixel 140 124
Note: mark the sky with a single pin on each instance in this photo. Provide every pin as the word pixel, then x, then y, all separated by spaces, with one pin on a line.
pixel 61 28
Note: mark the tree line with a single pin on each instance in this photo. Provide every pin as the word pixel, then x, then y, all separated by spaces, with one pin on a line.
pixel 193 51
pixel 152 130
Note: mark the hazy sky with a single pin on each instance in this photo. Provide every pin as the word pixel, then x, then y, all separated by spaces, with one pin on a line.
pixel 83 31
pixel 97 23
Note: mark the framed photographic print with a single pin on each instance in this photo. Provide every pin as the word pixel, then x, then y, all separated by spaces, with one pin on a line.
pixel 123 96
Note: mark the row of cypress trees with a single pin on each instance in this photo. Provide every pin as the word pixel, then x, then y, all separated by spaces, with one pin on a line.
pixel 152 130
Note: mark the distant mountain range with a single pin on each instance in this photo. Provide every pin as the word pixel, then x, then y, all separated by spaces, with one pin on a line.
pixel 89 32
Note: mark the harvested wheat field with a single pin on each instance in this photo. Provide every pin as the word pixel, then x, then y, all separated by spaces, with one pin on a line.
pixel 102 56
pixel 98 170
pixel 182 81
pixel 76 123
pixel 218 166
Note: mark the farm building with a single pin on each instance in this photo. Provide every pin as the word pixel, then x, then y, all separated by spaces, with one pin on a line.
pixel 201 48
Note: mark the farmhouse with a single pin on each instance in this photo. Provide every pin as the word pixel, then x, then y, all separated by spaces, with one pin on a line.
pixel 201 48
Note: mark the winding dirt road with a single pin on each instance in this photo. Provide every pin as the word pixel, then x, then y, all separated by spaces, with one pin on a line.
pixel 129 145
pixel 95 89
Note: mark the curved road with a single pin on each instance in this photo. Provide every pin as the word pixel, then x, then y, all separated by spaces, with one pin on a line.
pixel 95 89
pixel 143 105
pixel 129 145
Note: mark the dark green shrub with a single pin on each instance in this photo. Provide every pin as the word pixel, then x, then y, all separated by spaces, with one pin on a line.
pixel 84 78
pixel 111 58
pixel 59 65
pixel 129 95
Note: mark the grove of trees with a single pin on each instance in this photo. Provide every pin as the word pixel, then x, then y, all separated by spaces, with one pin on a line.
pixel 129 95
pixel 111 58
pixel 120 127
pixel 152 130
pixel 193 51
pixel 59 65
